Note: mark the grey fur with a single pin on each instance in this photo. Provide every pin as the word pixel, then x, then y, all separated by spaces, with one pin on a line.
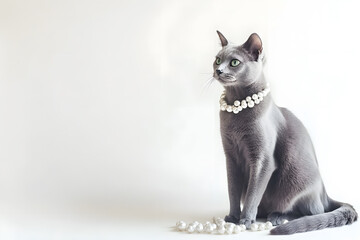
pixel 271 163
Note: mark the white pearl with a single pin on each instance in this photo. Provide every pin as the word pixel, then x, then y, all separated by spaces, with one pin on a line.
pixel 228 224
pixel 220 223
pixel 254 96
pixel 208 228
pixel 248 99
pixel 215 219
pixel 261 226
pixel 229 108
pixel 257 101
pixel 242 227
pixel 214 226
pixel 223 107
pixel 284 221
pixel 190 229
pixel 237 229
pixel 254 227
pixel 243 104
pixel 229 230
pixel 260 95
pixel 199 228
pixel 237 103
pixel 219 219
pixel 268 225
pixel 261 98
pixel 181 225
pixel 251 104
pixel 195 223
pixel 221 230
pixel 235 110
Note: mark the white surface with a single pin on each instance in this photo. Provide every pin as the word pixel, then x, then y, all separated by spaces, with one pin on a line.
pixel 113 224
pixel 103 115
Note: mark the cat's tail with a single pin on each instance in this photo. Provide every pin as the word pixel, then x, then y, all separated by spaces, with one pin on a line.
pixel 343 214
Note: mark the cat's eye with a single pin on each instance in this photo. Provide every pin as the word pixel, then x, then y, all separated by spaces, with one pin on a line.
pixel 218 61
pixel 234 62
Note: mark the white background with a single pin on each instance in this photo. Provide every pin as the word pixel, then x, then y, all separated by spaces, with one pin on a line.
pixel 108 129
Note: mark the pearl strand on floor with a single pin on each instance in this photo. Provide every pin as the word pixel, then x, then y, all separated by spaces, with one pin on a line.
pixel 239 105
pixel 219 226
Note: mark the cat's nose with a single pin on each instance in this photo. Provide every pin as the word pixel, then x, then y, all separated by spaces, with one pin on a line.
pixel 218 71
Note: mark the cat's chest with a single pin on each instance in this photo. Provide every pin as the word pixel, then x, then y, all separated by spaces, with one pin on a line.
pixel 240 133
pixel 248 137
pixel 239 127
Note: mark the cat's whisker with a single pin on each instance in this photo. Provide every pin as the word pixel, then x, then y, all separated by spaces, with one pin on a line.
pixel 207 84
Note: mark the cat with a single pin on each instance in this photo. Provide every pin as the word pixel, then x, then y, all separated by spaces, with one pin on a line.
pixel 271 164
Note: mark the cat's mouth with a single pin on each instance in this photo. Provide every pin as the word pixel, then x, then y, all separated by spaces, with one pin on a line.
pixel 225 80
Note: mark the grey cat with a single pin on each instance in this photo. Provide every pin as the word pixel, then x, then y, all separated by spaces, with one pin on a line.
pixel 271 163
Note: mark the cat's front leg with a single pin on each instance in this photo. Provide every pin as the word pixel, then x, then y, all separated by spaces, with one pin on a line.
pixel 261 170
pixel 235 186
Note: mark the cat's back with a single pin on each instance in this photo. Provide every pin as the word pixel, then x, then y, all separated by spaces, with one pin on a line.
pixel 291 123
pixel 294 140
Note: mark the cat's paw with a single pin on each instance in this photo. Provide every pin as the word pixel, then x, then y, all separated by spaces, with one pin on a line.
pixel 247 222
pixel 277 218
pixel 231 219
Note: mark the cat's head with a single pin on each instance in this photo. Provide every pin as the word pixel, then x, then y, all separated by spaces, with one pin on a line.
pixel 238 65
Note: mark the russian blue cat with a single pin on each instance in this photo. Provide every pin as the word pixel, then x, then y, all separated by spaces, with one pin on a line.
pixel 271 164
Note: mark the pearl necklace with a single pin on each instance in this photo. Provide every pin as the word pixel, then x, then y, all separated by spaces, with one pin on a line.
pixel 247 102
pixel 219 226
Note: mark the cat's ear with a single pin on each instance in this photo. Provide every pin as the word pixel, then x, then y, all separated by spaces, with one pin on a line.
pixel 223 40
pixel 253 45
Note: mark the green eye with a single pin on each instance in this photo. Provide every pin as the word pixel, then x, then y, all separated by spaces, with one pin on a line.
pixel 218 61
pixel 234 62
